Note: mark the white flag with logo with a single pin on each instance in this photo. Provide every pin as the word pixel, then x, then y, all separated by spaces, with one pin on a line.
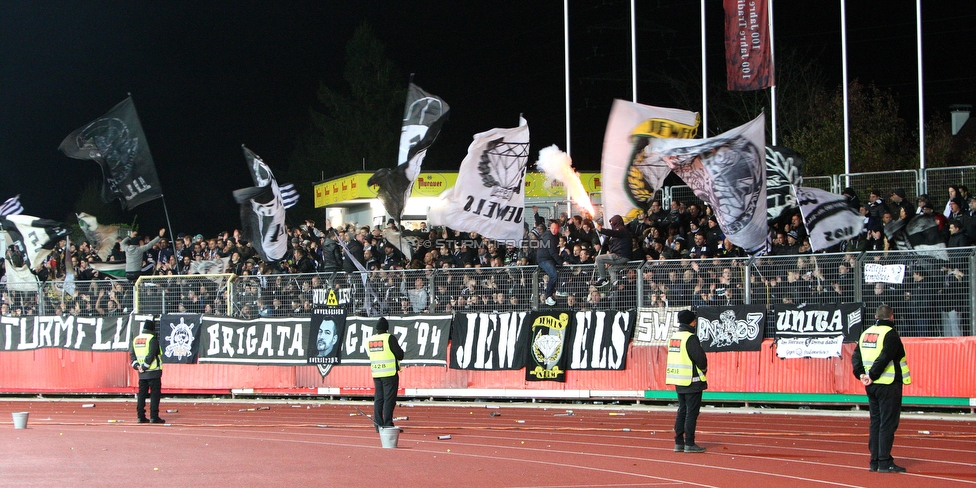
pixel 728 172
pixel 489 196
pixel 630 181
pixel 827 216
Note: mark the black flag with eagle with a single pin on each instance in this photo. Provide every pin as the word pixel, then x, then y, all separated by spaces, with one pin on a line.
pixel 423 118
pixel 263 211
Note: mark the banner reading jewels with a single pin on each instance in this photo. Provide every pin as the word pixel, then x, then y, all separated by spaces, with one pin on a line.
pixel 816 331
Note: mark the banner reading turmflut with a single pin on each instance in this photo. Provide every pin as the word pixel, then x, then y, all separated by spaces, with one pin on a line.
pixel 489 196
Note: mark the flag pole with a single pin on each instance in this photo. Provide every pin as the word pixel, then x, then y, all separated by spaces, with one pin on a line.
pixel 169 227
pixel 847 127
pixel 704 112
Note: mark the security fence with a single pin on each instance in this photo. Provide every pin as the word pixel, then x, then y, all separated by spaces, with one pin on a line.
pixel 930 291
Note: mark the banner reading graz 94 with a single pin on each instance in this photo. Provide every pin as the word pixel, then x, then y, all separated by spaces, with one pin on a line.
pixel 423 338
pixel 67 332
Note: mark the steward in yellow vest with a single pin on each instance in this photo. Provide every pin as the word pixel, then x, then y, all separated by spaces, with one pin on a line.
pixel 880 364
pixel 147 359
pixel 686 369
pixel 385 355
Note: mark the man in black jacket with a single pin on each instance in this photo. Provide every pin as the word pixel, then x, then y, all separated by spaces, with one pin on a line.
pixel 686 369
pixel 548 258
pixel 619 249
pixel 879 362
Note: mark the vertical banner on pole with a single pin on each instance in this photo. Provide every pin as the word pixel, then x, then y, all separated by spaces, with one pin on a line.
pixel 748 52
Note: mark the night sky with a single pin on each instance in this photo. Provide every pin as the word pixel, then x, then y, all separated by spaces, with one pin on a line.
pixel 207 77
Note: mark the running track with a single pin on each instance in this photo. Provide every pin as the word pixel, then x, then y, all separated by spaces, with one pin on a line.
pixel 213 443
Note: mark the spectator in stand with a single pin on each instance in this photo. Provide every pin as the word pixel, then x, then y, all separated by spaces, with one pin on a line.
pixel 852 200
pixel 953 194
pixel 968 219
pixel 548 258
pixel 900 199
pixel 619 250
pixel 957 238
pixel 955 209
pixel 135 253
pixel 876 208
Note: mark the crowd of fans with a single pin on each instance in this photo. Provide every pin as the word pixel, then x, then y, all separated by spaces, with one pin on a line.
pixel 440 270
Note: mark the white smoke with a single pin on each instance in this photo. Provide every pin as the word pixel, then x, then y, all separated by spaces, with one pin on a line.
pixel 558 166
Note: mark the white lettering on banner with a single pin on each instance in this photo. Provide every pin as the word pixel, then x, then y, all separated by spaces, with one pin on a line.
pixel 428 336
pixel 810 321
pixel 589 350
pixel 486 327
pixel 728 330
pixel 249 339
pixel 67 332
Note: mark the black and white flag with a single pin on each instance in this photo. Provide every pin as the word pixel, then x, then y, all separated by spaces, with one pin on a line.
pixel 179 337
pixel 784 169
pixel 827 216
pixel 11 206
pixel 289 195
pixel 423 338
pixel 33 236
pixel 117 143
pixel 95 334
pixel 727 172
pixel 488 341
pixel 547 333
pixel 263 211
pixel 489 195
pixel 423 117
pixel 737 328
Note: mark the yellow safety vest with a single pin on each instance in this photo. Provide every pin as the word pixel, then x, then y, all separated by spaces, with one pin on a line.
pixel 381 358
pixel 871 343
pixel 681 371
pixel 140 346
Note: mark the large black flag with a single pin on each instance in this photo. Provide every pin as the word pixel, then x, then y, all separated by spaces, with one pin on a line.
pixel 263 211
pixel 423 117
pixel 116 142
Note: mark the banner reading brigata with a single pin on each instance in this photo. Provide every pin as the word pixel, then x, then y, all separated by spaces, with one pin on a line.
pixel 264 341
pixel 738 328
pixel 96 334
pixel 423 338
pixel 748 58
pixel 816 331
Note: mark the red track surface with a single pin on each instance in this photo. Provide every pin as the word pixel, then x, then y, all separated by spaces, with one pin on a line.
pixel 303 442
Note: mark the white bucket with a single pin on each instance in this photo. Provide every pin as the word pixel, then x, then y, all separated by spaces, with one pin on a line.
pixel 20 420
pixel 389 436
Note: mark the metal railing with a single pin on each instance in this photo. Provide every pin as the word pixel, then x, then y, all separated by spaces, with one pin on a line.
pixel 931 292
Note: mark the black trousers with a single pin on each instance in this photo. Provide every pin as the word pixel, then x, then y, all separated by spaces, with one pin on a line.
pixel 884 402
pixel 384 399
pixel 149 387
pixel 689 404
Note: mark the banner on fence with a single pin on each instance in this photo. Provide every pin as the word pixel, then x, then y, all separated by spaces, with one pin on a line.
pixel 327 326
pixel 884 273
pixel 179 337
pixel 816 331
pixel 547 359
pixel 263 341
pixel 738 328
pixel 599 339
pixel 423 338
pixel 655 325
pixel 96 334
pixel 488 341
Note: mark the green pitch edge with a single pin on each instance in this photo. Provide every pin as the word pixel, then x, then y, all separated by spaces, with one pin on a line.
pixel 835 398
